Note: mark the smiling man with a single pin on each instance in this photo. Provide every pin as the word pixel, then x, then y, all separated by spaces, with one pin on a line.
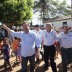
pixel 65 48
pixel 29 39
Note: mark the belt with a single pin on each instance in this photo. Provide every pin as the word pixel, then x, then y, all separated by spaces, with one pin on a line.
pixel 49 45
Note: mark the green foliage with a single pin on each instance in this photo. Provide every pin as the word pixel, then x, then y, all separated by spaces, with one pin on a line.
pixel 52 8
pixel 15 11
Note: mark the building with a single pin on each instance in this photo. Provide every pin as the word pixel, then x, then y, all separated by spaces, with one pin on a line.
pixel 59 22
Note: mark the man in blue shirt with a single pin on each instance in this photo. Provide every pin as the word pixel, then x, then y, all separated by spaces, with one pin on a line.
pixel 29 39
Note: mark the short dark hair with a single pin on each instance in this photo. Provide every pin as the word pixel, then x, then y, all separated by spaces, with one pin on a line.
pixel 37 25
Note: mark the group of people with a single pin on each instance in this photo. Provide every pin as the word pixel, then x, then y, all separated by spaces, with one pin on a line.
pixel 32 42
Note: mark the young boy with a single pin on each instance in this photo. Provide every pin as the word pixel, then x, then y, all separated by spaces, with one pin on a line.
pixel 19 50
pixel 6 50
pixel 14 47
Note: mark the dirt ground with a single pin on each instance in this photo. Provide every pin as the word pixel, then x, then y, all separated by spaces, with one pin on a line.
pixel 39 66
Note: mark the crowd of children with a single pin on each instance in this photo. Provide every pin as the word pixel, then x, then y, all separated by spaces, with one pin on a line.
pixel 5 51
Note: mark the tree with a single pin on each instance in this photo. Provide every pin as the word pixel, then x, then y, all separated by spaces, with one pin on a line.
pixel 15 11
pixel 52 8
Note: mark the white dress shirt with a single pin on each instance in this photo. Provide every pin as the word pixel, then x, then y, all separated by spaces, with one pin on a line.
pixel 29 41
pixel 49 37
pixel 65 39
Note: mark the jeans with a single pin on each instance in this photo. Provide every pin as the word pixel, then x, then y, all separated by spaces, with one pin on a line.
pixel 24 63
pixel 66 57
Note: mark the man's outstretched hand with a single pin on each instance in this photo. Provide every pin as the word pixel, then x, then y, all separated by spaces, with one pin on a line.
pixel 4 26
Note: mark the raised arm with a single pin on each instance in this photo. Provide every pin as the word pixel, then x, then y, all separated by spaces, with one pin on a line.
pixel 13 33
pixel 7 28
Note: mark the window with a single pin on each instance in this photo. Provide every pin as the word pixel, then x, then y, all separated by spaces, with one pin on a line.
pixel 64 23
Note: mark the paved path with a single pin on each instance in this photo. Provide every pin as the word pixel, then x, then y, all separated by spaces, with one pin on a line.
pixel 39 68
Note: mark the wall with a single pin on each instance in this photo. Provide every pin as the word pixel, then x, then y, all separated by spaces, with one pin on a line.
pixel 59 24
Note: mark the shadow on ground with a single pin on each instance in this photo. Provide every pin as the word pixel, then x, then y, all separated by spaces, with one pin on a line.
pixel 37 68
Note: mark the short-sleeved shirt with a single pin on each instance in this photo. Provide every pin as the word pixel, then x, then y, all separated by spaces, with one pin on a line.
pixel 65 39
pixel 49 37
pixel 14 45
pixel 28 42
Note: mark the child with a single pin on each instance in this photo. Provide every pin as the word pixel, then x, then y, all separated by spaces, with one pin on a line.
pixel 14 47
pixel 19 50
pixel 6 50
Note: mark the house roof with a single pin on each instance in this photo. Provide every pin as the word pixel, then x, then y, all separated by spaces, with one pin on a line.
pixel 59 19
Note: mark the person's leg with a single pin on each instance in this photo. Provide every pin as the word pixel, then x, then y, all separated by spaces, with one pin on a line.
pixel 46 56
pixel 16 56
pixel 42 52
pixel 69 56
pixel 64 59
pixel 8 62
pixel 24 64
pixel 0 53
pixel 15 52
pixel 32 63
pixel 37 58
pixel 56 55
pixel 5 66
pixel 52 56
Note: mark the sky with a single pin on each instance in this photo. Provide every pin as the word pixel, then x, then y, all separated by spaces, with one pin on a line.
pixel 35 19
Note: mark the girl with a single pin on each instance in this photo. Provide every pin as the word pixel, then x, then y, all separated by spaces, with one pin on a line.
pixel 6 56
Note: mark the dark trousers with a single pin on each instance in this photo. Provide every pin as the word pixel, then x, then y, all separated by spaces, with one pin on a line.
pixel 66 57
pixel 24 63
pixel 49 52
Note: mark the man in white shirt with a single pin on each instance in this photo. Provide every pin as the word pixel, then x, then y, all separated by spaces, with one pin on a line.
pixel 48 38
pixel 38 31
pixel 29 39
pixel 65 48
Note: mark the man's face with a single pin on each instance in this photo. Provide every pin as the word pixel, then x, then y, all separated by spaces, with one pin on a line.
pixel 25 27
pixel 66 28
pixel 48 27
pixel 37 28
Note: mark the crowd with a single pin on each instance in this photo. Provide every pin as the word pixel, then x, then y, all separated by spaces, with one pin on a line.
pixel 29 44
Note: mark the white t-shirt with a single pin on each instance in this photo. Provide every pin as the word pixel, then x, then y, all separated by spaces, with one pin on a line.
pixel 49 37
pixel 65 39
pixel 29 41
